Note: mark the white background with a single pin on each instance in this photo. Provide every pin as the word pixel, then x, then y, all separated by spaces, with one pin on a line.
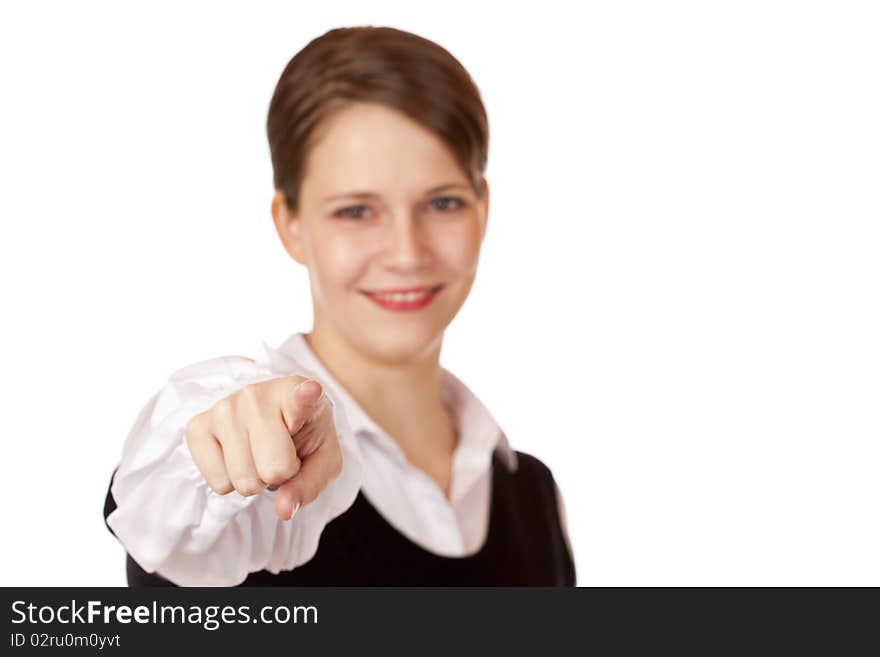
pixel 677 306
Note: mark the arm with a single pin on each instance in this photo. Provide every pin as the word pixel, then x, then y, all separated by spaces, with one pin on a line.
pixel 171 522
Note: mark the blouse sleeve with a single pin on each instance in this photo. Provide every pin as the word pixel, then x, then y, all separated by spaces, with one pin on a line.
pixel 172 523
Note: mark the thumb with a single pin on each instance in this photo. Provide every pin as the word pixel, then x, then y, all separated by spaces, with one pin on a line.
pixel 304 487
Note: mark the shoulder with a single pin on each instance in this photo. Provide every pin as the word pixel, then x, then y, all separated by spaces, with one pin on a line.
pixel 545 492
pixel 532 478
pixel 533 466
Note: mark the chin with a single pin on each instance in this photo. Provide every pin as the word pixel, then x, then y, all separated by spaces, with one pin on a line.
pixel 401 345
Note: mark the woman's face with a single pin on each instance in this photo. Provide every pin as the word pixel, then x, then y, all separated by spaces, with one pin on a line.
pixel 384 207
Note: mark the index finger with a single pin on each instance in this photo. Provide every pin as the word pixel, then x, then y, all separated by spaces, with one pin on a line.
pixel 299 404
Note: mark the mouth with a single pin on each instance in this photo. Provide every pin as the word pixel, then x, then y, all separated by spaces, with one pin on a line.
pixel 402 299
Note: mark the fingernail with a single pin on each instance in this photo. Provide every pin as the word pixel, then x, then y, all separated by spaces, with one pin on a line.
pixel 295 509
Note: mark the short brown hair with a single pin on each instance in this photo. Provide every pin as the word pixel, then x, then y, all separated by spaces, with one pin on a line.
pixel 382 65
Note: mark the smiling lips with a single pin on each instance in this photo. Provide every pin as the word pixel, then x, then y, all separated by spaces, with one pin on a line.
pixel 403 299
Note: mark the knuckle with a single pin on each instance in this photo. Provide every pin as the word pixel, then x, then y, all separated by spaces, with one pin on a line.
pixel 222 488
pixel 277 473
pixel 224 409
pixel 248 487
pixel 192 424
pixel 250 393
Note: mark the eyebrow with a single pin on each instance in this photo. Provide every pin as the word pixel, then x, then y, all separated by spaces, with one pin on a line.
pixel 367 195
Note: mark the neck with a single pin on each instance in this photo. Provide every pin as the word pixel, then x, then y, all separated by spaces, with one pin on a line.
pixel 402 397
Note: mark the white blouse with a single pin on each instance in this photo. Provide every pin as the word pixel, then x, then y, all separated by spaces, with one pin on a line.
pixel 172 523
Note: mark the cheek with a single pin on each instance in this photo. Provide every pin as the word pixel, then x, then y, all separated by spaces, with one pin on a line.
pixel 339 259
pixel 458 247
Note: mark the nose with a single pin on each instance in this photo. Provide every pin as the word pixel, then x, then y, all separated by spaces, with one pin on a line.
pixel 407 247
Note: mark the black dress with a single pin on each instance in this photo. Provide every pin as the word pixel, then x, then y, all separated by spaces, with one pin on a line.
pixel 525 545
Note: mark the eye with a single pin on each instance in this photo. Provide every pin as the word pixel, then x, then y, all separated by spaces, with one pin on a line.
pixel 351 212
pixel 447 203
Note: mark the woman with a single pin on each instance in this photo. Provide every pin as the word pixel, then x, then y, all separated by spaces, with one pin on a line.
pixel 349 456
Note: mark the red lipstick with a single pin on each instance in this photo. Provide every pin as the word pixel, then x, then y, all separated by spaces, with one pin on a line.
pixel 403 299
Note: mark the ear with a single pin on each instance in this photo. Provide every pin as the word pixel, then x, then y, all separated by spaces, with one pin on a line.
pixel 289 227
pixel 483 204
